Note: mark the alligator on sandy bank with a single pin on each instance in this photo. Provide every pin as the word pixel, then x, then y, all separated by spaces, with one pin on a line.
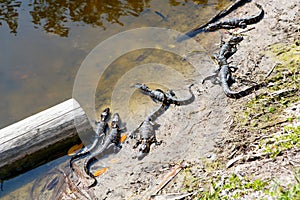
pixel 225 71
pixel 226 24
pixel 227 49
pixel 100 130
pixel 112 141
pixel 167 98
pixel 146 132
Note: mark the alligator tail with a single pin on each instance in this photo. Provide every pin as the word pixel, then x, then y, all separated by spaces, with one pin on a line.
pixel 79 155
pixel 258 17
pixel 153 116
pixel 186 101
pixel 82 154
pixel 243 93
pixel 190 34
pixel 87 164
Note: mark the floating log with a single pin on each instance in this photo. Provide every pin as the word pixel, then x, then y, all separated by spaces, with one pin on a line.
pixel 40 138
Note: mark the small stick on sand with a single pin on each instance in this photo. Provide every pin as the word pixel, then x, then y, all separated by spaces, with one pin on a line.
pixel 166 179
pixel 271 70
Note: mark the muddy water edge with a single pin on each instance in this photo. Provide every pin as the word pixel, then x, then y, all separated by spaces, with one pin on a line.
pixel 44 43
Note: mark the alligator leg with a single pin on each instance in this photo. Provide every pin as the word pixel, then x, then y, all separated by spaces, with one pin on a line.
pixel 233 68
pixel 242 25
pixel 133 134
pixel 156 142
pixel 137 144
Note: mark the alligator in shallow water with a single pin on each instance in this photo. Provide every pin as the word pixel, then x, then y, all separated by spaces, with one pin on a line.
pixel 167 98
pixel 226 24
pixel 100 130
pixel 112 140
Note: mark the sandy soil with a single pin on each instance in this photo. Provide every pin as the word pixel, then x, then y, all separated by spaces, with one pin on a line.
pixel 204 131
pixel 190 133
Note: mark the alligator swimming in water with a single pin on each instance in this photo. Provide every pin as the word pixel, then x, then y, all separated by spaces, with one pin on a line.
pixel 226 24
pixel 100 130
pixel 167 98
pixel 112 140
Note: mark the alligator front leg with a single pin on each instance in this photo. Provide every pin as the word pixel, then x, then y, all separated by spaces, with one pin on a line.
pixel 242 25
pixel 137 144
pixel 227 26
pixel 157 142
pixel 133 134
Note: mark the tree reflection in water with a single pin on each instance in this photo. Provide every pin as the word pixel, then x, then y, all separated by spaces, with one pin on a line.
pixel 55 16
pixel 9 14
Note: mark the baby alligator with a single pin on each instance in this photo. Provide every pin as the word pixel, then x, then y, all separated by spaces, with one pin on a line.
pixel 167 98
pixel 101 127
pixel 112 139
pixel 226 79
pixel 146 132
pixel 226 24
pixel 236 22
pixel 227 50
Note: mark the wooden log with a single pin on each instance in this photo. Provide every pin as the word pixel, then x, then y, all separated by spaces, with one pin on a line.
pixel 40 138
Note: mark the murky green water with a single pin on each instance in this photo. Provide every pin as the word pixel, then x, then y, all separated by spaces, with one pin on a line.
pixel 43 43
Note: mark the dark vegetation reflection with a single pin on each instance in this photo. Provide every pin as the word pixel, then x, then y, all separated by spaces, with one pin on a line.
pixel 54 16
pixel 9 14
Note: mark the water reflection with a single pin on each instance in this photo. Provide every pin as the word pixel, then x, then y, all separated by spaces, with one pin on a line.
pixel 56 16
pixel 37 70
pixel 9 14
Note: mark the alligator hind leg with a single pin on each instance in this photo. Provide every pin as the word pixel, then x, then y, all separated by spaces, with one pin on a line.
pixel 233 68
pixel 154 140
pixel 171 93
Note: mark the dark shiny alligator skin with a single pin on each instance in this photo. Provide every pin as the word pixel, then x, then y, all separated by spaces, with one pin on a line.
pixel 146 132
pixel 228 49
pixel 112 140
pixel 225 71
pixel 167 98
pixel 236 22
pixel 226 79
pixel 226 24
pixel 100 130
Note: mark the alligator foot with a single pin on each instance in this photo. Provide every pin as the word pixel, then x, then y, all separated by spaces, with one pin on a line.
pixel 94 183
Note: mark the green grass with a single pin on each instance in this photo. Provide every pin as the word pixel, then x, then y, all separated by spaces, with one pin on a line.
pixel 288 139
pixel 231 187
pixel 283 90
pixel 290 192
pixel 260 116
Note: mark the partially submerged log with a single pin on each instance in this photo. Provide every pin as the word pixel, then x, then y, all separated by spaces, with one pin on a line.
pixel 40 138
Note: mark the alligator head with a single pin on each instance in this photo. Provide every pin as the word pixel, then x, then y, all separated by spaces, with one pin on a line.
pixel 144 149
pixel 115 122
pixel 104 114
